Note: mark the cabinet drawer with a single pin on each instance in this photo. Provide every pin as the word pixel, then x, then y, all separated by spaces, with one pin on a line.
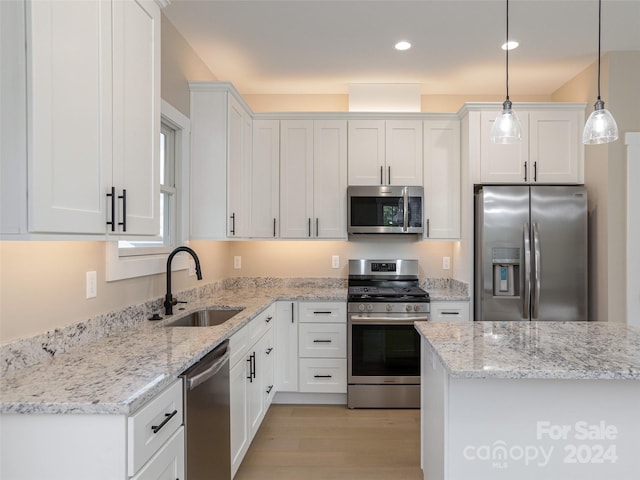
pixel 324 340
pixel 330 312
pixel 261 324
pixel 147 430
pixel 445 311
pixel 323 375
pixel 168 462
pixel 238 345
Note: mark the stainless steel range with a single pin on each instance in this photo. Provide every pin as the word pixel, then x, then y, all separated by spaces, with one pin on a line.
pixel 383 358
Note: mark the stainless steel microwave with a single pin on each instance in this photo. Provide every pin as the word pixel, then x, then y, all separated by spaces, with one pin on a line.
pixel 384 209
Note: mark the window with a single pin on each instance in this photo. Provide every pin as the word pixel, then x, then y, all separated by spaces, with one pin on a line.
pixel 128 258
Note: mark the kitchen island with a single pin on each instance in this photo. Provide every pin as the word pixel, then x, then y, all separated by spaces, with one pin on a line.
pixel 530 400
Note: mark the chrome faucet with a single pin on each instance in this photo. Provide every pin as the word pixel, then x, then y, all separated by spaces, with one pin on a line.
pixel 169 301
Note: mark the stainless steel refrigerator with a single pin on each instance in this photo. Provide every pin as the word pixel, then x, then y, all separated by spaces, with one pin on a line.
pixel 531 253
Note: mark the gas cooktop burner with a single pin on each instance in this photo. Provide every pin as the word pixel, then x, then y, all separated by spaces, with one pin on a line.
pixel 387 293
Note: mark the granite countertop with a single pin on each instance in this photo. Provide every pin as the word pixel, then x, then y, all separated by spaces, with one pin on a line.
pixel 535 350
pixel 119 373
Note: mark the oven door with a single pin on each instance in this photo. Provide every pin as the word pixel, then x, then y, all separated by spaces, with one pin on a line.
pixel 383 349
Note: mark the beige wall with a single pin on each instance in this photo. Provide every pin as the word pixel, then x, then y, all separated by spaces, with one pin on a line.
pixel 180 65
pixel 313 258
pixel 605 177
pixel 340 103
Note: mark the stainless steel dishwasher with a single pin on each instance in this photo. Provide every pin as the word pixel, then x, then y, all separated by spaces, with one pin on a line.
pixel 207 419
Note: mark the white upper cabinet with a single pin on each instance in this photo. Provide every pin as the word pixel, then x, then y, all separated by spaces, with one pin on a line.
pixel 550 151
pixel 239 170
pixel 93 76
pixel 313 174
pixel 385 152
pixel 265 181
pixel 442 179
pixel 221 134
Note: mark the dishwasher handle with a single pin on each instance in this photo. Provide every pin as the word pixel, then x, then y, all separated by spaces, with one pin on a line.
pixel 209 366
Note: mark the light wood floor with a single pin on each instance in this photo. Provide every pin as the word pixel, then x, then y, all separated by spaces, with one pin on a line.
pixel 318 442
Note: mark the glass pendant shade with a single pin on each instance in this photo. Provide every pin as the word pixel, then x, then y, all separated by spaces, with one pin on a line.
pixel 601 127
pixel 506 128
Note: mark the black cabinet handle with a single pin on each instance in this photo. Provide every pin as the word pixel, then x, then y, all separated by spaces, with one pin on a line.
pixel 428 228
pixel 322 341
pixel 269 350
pixel 124 210
pixel 322 312
pixel 389 176
pixel 268 319
pixel 291 312
pixel 322 376
pixel 309 226
pixel 274 227
pixel 113 208
pixel 381 180
pixel 269 388
pixel 525 171
pixel 449 313
pixel 252 367
pixel 535 171
pixel 232 231
pixel 168 416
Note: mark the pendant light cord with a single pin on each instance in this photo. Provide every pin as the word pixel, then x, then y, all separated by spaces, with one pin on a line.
pixel 507 50
pixel 599 37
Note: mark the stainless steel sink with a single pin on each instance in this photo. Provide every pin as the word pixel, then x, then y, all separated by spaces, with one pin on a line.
pixel 205 318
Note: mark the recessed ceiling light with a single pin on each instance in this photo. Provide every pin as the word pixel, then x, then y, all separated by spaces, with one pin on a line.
pixel 403 45
pixel 510 45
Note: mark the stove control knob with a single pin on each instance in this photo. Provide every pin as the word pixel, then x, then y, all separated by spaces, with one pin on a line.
pixel 361 307
pixel 416 308
pixel 408 308
pixel 369 307
pixel 389 307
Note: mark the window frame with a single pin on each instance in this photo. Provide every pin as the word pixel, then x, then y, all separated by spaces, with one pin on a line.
pixel 153 260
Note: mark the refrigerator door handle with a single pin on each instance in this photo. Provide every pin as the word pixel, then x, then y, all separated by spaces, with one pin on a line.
pixel 536 272
pixel 527 271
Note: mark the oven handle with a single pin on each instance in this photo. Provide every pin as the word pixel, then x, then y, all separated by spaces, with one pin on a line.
pixel 388 319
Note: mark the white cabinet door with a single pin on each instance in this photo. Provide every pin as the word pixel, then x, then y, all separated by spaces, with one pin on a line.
pixel 555 151
pixel 366 152
pixel 69 122
pixel 329 178
pixel 442 179
pixel 503 163
pixel 296 178
pixel 286 367
pixel 93 116
pixel 403 152
pixel 265 181
pixel 238 170
pixel 167 463
pixel 239 391
pixel 136 114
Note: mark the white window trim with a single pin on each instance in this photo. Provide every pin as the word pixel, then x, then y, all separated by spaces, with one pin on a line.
pixel 120 268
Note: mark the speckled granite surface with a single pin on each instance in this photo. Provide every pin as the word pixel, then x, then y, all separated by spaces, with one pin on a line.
pixel 118 373
pixel 446 289
pixel 542 350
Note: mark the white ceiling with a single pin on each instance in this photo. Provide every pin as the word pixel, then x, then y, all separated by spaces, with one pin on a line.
pixel 321 46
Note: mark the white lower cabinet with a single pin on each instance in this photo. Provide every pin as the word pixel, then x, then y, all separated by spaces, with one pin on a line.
pixel 447 311
pixel 149 444
pixel 286 346
pixel 322 344
pixel 252 384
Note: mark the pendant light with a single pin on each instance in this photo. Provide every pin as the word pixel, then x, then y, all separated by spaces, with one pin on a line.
pixel 601 127
pixel 506 128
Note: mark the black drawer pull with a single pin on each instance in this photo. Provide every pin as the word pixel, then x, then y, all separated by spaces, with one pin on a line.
pixel 450 313
pixel 269 350
pixel 168 416
pixel 269 388
pixel 322 376
pixel 322 341
pixel 322 312
pixel 268 319
pixel 123 223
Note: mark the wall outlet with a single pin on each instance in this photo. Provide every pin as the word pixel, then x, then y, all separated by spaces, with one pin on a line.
pixel 92 285
pixel 446 263
pixel 237 262
pixel 335 261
